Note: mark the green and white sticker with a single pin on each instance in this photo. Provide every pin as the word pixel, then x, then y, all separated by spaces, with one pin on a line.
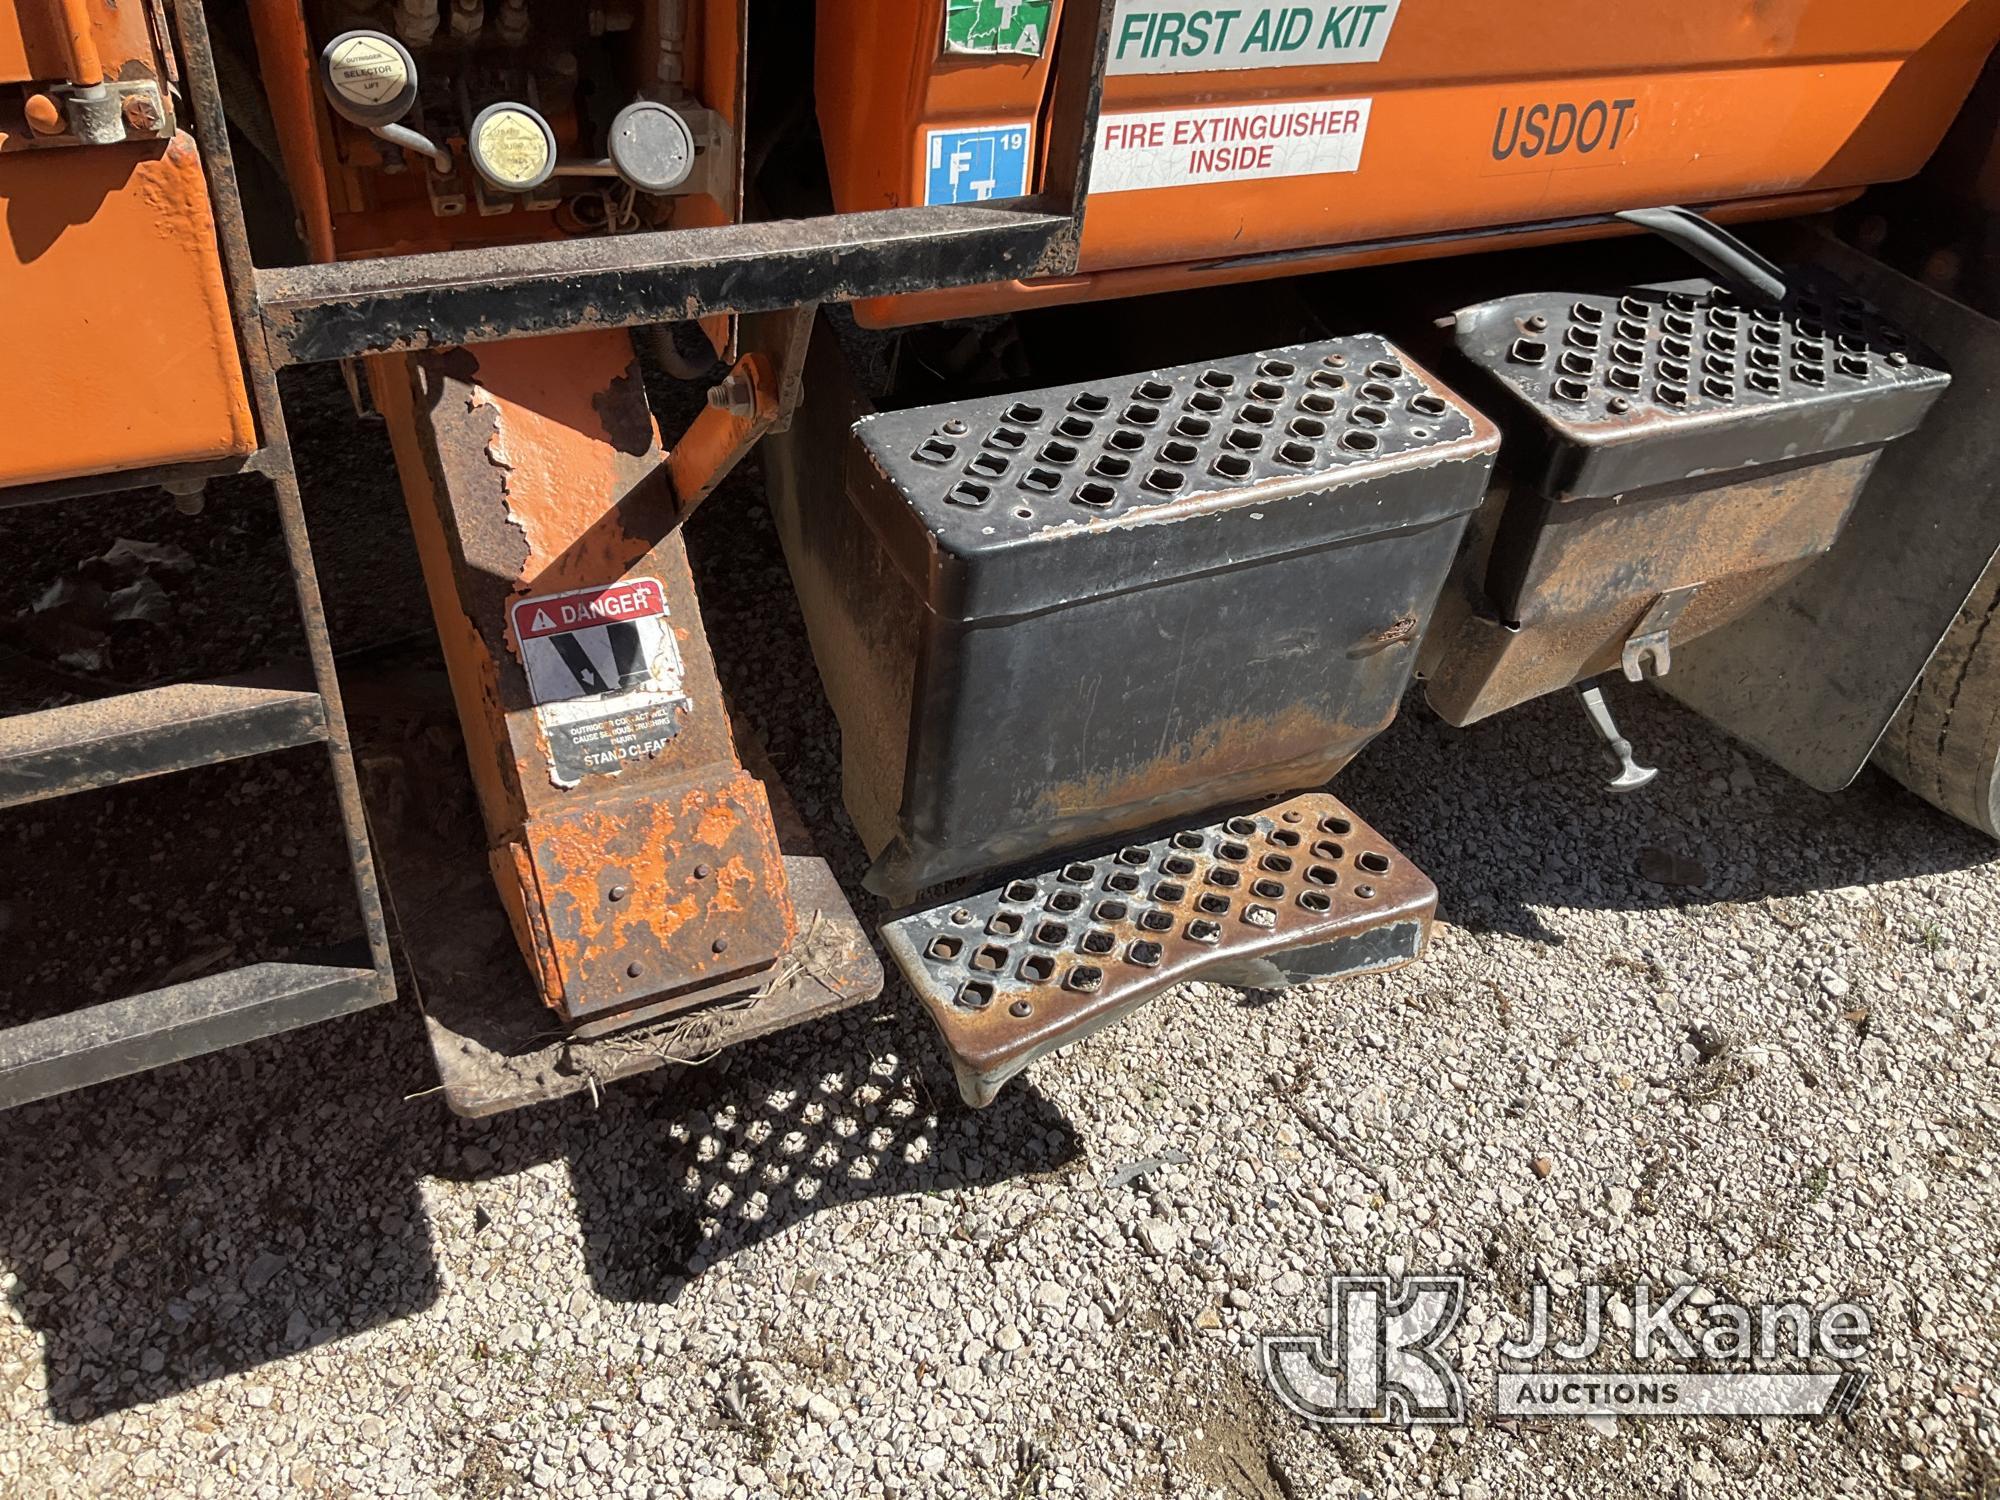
pixel 993 28
pixel 1191 36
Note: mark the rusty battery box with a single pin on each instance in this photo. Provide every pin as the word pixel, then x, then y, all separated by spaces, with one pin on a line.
pixel 1068 613
pixel 1673 453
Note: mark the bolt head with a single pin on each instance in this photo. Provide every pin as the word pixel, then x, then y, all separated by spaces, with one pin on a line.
pixel 141 114
pixel 634 969
pixel 720 945
pixel 734 394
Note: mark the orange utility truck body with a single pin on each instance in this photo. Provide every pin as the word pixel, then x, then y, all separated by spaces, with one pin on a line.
pixel 1266 139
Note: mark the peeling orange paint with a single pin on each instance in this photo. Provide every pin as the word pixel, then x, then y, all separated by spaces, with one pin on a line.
pixel 531 466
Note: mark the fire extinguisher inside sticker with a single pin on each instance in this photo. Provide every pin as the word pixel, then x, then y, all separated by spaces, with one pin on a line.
pixel 1192 36
pixel 1180 147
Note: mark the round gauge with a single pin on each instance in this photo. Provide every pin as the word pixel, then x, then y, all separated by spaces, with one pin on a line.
pixel 651 146
pixel 369 77
pixel 512 147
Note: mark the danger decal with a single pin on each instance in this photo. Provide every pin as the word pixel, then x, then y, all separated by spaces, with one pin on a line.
pixel 1178 147
pixel 1184 36
pixel 590 641
pixel 605 673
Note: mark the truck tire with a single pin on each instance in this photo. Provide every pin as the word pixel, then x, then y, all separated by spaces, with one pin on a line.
pixel 1944 743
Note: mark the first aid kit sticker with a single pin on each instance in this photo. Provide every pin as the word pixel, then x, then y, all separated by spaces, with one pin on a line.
pixel 605 673
pixel 1193 36
pixel 1229 143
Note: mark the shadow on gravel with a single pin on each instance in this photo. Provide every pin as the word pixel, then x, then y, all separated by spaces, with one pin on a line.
pixel 165 1230
pixel 676 1171
pixel 1511 815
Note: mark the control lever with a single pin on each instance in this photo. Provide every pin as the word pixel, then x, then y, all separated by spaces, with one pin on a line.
pixel 1631 775
pixel 370 79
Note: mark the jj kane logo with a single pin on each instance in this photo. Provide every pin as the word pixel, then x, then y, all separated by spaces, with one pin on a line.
pixel 1383 1358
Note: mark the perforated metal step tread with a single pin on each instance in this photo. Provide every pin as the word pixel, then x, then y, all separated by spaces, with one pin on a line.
pixel 1010 504
pixel 1018 465
pixel 1633 370
pixel 1033 964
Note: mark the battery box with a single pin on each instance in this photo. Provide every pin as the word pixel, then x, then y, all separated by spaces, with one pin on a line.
pixel 1673 453
pixel 1059 615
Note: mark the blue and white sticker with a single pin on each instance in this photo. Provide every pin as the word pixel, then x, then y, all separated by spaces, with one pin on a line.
pixel 976 163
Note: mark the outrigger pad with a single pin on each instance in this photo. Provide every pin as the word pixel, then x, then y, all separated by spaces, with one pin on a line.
pixel 1296 891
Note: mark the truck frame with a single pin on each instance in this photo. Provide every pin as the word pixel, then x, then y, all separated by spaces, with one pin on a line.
pixel 1807 562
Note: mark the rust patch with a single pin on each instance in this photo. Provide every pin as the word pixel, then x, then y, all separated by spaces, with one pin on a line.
pixel 660 892
pixel 1297 747
pixel 626 415
pixel 1593 568
pixel 1403 628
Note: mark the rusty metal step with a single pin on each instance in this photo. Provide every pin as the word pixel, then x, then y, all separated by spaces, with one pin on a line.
pixel 1298 890
pixel 1603 394
pixel 81 747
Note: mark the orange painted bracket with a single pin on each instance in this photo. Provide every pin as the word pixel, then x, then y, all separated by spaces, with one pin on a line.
pixel 740 410
pixel 635 856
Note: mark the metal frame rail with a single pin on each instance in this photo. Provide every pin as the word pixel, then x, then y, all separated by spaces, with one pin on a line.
pixel 304 314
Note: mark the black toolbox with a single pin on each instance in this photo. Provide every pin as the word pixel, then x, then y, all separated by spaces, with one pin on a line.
pixel 1051 617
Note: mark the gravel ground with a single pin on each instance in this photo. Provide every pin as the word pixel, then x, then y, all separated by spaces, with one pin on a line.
pixel 806 1270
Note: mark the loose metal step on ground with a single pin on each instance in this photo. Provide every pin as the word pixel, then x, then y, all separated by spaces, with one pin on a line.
pixel 1296 891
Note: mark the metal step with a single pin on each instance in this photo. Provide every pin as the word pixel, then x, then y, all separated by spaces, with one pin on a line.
pixel 84 746
pixel 107 1041
pixel 159 730
pixel 1292 892
pixel 1679 380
